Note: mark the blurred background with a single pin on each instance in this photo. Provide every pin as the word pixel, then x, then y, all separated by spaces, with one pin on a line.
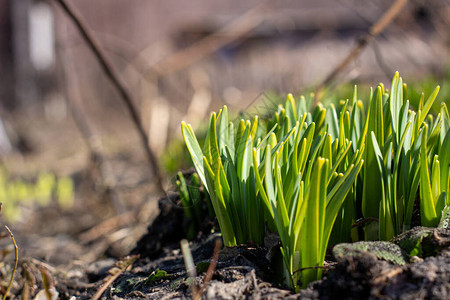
pixel 73 171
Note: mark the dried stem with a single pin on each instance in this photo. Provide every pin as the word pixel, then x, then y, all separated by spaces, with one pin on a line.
pixel 212 266
pixel 16 261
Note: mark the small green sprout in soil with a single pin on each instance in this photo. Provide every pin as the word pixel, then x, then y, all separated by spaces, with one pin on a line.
pixel 156 276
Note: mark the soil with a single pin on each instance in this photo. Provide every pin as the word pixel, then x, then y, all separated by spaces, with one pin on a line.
pixel 242 272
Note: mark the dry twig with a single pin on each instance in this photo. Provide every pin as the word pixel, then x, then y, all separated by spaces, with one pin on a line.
pixel 90 137
pixel 236 29
pixel 119 267
pixel 212 266
pixel 106 227
pixel 373 32
pixel 114 77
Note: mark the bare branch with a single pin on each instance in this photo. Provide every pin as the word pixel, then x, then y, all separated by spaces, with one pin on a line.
pixel 374 31
pixel 119 267
pixel 113 76
pixel 236 29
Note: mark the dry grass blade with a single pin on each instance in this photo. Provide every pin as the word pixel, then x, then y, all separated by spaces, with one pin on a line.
pixel 30 283
pixel 190 268
pixel 106 227
pixel 16 260
pixel 47 282
pixel 119 267
pixel 197 293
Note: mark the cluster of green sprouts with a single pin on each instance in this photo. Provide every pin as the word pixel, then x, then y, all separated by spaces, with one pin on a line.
pixel 308 176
